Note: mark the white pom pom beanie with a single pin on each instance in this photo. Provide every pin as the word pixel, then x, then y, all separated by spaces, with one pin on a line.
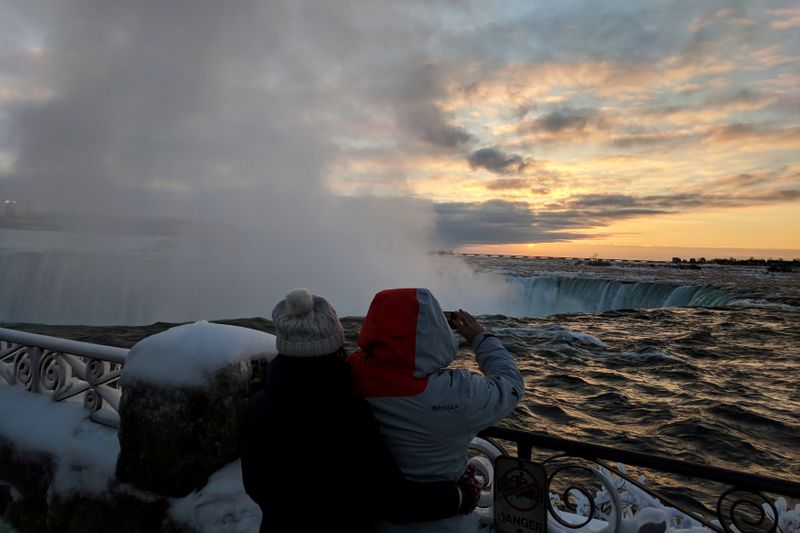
pixel 306 325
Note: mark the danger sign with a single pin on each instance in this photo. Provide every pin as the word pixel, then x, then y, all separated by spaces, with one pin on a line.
pixel 519 496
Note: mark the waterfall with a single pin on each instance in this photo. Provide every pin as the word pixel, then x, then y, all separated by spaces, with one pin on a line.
pixel 547 295
pixel 75 288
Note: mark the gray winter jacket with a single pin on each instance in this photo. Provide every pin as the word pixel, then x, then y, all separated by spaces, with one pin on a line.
pixel 427 413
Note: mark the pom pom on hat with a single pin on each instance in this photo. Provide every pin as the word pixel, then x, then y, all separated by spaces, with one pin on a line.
pixel 306 325
pixel 299 302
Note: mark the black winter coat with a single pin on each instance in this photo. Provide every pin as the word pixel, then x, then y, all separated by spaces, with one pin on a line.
pixel 313 457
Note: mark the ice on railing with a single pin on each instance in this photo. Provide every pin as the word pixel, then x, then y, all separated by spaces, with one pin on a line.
pixel 638 508
pixel 788 519
pixel 641 511
pixel 64 370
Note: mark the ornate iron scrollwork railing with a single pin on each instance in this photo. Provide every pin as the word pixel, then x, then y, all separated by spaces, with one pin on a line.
pixel 65 370
pixel 742 507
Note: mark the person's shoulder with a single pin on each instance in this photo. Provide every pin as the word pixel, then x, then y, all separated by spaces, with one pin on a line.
pixel 452 378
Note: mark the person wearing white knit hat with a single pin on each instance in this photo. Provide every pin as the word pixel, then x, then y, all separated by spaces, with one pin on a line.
pixel 306 325
pixel 312 456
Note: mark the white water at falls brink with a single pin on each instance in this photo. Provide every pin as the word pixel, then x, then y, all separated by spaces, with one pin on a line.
pixel 548 295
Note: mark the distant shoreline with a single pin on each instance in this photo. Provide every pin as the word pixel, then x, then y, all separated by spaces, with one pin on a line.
pixel 752 261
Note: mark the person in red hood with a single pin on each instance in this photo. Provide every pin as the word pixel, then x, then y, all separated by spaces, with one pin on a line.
pixel 428 413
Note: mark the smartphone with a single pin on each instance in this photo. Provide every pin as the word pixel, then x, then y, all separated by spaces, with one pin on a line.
pixel 450 315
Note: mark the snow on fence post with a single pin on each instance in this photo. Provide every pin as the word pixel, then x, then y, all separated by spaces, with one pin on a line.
pixel 183 394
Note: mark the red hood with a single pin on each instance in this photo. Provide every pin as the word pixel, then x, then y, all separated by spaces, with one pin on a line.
pixel 405 338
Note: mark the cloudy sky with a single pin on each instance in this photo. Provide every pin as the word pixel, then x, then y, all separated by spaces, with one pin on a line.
pixel 626 129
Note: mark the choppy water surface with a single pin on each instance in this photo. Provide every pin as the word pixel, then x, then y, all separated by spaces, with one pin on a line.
pixel 715 385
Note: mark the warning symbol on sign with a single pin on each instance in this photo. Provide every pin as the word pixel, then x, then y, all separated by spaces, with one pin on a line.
pixel 519 496
pixel 520 490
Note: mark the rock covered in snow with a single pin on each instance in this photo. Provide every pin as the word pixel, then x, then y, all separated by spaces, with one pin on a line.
pixel 189 355
pixel 183 394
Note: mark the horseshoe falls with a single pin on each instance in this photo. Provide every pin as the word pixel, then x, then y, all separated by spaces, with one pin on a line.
pixel 548 295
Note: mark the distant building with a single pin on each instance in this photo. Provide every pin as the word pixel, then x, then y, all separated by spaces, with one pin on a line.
pixel 9 207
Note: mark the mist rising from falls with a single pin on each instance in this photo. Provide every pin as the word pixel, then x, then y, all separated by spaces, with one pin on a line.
pixel 548 295
pixel 126 288
pixel 59 286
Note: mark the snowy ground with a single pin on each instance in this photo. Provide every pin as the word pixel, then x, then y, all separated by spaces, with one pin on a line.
pixel 86 455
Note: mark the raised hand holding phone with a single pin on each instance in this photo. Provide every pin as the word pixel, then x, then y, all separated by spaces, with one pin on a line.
pixel 466 324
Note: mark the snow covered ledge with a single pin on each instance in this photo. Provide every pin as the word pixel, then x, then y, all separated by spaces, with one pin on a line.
pixel 57 466
pixel 184 391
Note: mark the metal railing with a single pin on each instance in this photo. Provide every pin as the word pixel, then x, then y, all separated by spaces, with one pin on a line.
pixel 65 370
pixel 742 505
